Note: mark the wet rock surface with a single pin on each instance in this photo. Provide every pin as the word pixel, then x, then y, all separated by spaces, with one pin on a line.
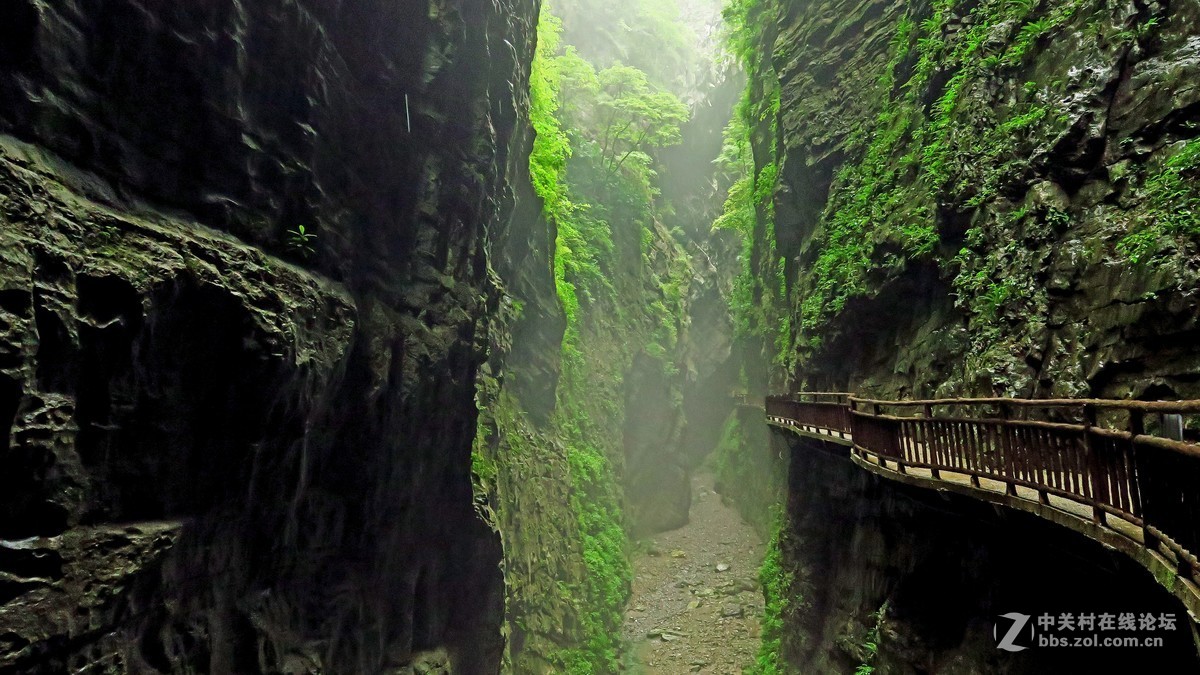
pixel 925 577
pixel 696 602
pixel 1033 164
pixel 228 447
pixel 972 201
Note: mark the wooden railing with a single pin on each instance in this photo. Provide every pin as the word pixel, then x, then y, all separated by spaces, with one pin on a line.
pixel 741 398
pixel 1127 460
pixel 825 413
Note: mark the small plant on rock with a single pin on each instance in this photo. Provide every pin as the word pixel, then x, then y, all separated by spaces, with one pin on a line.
pixel 871 642
pixel 301 242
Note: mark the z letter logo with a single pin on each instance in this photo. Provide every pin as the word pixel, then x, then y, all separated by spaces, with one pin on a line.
pixel 1018 624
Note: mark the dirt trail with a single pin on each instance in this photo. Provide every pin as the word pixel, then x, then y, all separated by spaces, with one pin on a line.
pixel 696 602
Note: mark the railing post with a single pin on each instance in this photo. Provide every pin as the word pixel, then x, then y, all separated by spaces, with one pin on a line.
pixel 1137 427
pixel 970 449
pixel 1006 446
pixel 930 448
pixel 877 410
pixel 846 407
pixel 854 420
pixel 1089 447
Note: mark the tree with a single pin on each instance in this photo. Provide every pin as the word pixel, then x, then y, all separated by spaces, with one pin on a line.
pixel 579 88
pixel 634 116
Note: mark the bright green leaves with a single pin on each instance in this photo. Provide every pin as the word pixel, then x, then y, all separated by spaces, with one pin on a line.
pixel 927 146
pixel 636 116
pixel 744 20
pixel 738 214
pixel 874 202
pixel 301 242
pixel 619 112
pixel 617 109
pixel 621 281
pixel 596 503
pixel 777 584
pixel 607 121
pixel 651 35
pixel 575 258
pixel 551 148
pixel 580 86
pixel 1173 196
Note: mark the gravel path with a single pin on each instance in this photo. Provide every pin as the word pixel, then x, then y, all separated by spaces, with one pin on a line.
pixel 696 602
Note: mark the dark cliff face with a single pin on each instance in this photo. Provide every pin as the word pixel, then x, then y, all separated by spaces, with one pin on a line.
pixel 990 197
pixel 925 577
pixel 224 451
pixel 973 198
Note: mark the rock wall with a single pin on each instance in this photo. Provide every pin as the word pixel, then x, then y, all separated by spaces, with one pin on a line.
pixel 247 257
pixel 751 469
pixel 990 197
pixel 924 576
pixel 966 198
pixel 693 184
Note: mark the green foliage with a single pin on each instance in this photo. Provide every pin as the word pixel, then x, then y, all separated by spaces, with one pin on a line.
pixel 603 124
pixel 576 260
pixel 1035 29
pixel 779 594
pixel 596 502
pixel 301 242
pixel 757 299
pixel 870 645
pixel 737 159
pixel 551 147
pixel 1173 196
pixel 592 166
pixel 738 214
pixel 748 197
pixel 615 116
pixel 651 35
pixel 583 245
pixel 869 193
pixel 583 241
pixel 633 116
pixel 924 147
pixel 744 20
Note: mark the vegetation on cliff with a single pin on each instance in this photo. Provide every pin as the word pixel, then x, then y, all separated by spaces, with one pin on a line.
pixel 777 583
pixel 606 121
pixel 998 147
pixel 750 157
pixel 955 198
pixel 621 280
pixel 750 472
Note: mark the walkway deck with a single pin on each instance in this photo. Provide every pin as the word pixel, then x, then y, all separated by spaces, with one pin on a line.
pixel 1089 465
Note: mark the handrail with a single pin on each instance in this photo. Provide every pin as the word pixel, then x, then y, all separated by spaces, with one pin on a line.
pixel 831 418
pixel 1148 483
pixel 1182 407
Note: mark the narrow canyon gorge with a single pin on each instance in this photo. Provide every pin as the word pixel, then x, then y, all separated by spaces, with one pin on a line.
pixel 599 336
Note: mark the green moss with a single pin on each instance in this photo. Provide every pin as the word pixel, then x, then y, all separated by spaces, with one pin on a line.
pixel 622 282
pixel 932 140
pixel 757 301
pixel 747 471
pixel 1173 207
pixel 1166 578
pixel 778 592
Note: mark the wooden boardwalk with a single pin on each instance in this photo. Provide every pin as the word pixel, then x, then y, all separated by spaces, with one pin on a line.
pixel 1120 472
